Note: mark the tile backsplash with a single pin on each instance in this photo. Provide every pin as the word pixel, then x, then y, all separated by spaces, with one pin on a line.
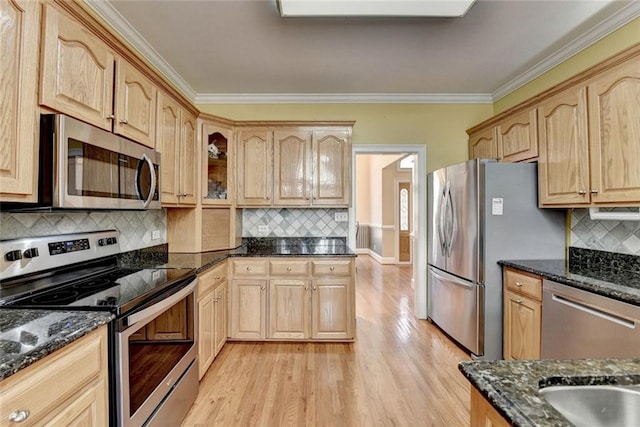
pixel 289 222
pixel 135 226
pixel 611 236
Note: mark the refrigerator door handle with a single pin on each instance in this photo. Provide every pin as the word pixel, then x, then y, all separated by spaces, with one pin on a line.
pixel 453 279
pixel 453 223
pixel 441 212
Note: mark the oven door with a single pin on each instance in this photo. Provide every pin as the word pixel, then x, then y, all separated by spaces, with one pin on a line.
pixel 156 349
pixel 97 169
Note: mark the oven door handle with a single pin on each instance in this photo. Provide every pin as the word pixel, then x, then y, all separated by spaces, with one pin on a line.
pixel 161 306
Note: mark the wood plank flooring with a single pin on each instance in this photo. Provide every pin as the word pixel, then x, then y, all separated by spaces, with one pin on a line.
pixel 401 371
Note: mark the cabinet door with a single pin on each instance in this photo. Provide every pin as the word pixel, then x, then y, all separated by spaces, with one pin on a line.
pixel 188 160
pixel 614 129
pixel 217 174
pixel 331 168
pixel 18 102
pixel 248 309
pixel 292 168
pixel 563 162
pixel 483 145
pixel 221 323
pixel 483 414
pixel 522 323
pixel 89 408
pixel 288 309
pixel 517 137
pixel 135 111
pixel 77 69
pixel 331 309
pixel 168 142
pixel 206 333
pixel 255 168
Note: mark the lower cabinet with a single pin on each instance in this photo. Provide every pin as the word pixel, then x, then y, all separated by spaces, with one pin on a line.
pixel 292 299
pixel 483 413
pixel 67 387
pixel 212 316
pixel 522 315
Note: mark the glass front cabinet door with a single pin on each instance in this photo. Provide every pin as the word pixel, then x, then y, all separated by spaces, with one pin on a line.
pixel 217 146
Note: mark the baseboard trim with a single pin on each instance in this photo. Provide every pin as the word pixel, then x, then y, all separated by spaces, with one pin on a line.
pixel 381 259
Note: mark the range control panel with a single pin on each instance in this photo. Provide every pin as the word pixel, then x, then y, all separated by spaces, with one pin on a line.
pixel 34 254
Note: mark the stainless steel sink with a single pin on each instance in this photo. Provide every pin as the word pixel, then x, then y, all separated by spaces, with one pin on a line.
pixel 596 405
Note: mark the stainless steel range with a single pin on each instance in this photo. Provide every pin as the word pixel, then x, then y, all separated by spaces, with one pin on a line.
pixel 153 339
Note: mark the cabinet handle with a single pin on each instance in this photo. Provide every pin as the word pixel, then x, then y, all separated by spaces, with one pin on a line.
pixel 262 287
pixel 594 191
pixel 110 117
pixel 288 268
pixel 519 301
pixel 518 284
pixel 582 192
pixel 331 268
pixel 314 287
pixel 124 121
pixel 249 268
pixel 19 415
pixel 217 277
pixel 306 288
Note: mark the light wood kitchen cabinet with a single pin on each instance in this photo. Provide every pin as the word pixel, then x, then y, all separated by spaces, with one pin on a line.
pixel 483 414
pixel 331 182
pixel 176 132
pixel 292 167
pixel 517 138
pixel 614 132
pixel 135 108
pixel 255 167
pixel 248 309
pixel 77 373
pixel 289 308
pixel 563 165
pixel 18 100
pixel 212 315
pixel 310 298
pixel 217 168
pixel 483 144
pixel 77 70
pixel 522 315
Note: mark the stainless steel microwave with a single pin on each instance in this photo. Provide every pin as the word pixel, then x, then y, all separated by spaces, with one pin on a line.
pixel 85 167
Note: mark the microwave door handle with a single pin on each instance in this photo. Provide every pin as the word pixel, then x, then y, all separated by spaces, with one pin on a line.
pixel 146 201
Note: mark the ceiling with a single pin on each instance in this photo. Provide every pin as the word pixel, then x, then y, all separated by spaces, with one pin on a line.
pixel 243 51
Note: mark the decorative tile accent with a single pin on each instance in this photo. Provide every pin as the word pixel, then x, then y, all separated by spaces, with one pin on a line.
pixel 612 236
pixel 135 226
pixel 289 222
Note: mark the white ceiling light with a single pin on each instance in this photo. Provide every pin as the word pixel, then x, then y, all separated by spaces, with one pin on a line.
pixel 408 8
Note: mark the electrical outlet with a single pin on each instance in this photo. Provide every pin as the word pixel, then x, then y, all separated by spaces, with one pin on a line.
pixel 155 234
pixel 263 228
pixel 155 275
pixel 341 217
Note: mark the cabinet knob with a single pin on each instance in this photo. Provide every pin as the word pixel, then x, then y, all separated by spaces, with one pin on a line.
pixel 110 117
pixel 124 121
pixel 288 268
pixel 518 284
pixel 19 415
pixel 249 268
pixel 594 191
pixel 314 288
pixel 519 301
pixel 306 288
pixel 262 287
pixel 582 192
pixel 217 277
pixel 331 268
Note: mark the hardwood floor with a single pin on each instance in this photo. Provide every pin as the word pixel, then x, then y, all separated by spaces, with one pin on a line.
pixel 400 371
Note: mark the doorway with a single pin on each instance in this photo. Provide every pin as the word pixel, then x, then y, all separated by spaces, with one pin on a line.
pixel 418 234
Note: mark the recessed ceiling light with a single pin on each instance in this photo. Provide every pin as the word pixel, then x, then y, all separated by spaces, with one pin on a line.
pixel 408 8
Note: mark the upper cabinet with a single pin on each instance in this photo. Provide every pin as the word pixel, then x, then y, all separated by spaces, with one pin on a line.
pixel 517 137
pixel 77 70
pixel 294 166
pixel 217 152
pixel 18 100
pixel 80 75
pixel 483 145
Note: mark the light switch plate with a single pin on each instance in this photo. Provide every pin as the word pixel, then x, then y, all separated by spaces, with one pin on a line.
pixel 155 234
pixel 341 217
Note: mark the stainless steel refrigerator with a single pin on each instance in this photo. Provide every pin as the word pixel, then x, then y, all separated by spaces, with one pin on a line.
pixel 480 212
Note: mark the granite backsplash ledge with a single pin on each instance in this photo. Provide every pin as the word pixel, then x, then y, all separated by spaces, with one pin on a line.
pixel 581 259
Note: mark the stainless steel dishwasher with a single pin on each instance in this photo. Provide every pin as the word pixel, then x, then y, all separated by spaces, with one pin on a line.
pixel 580 324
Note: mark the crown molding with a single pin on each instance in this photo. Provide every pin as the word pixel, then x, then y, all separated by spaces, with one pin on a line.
pixel 112 17
pixel 617 20
pixel 343 98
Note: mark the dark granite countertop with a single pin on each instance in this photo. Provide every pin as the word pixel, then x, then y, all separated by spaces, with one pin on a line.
pixel 27 336
pixel 615 276
pixel 512 386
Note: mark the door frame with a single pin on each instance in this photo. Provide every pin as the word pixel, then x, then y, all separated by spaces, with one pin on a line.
pixel 396 197
pixel 419 280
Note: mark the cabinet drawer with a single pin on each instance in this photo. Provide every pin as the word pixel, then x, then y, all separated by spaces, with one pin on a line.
pixel 289 268
pixel 210 279
pixel 332 267
pixel 523 283
pixel 66 371
pixel 250 267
